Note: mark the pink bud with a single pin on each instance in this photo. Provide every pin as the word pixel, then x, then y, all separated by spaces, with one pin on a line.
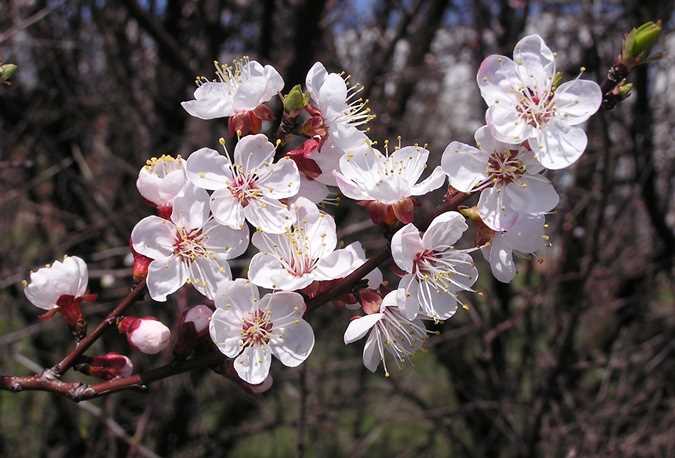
pixel 200 316
pixel 147 335
pixel 108 366
pixel 370 300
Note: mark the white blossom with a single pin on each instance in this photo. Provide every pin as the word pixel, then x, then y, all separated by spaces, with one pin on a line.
pixel 161 179
pixel 148 335
pixel 508 177
pixel 302 255
pixel 239 87
pixel 250 188
pixel 189 248
pixel 390 331
pixel 524 105
pixel 525 237
pixel 435 271
pixel 253 329
pixel 62 278
pixel 342 113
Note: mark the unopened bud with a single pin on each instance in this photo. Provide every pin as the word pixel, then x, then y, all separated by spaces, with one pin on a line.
pixel 107 366
pixel 139 268
pixel 193 325
pixel 295 100
pixel 624 90
pixel 7 71
pixel 639 42
pixel 147 334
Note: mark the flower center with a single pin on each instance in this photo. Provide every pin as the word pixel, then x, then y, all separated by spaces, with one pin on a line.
pixel 189 245
pixel 534 109
pixel 504 167
pixel 299 261
pixel 398 336
pixel 163 165
pixel 244 188
pixel 256 329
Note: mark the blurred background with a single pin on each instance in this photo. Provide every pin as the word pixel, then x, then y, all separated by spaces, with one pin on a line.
pixel 575 358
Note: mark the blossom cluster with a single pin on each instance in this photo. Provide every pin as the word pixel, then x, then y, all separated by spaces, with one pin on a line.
pixel 208 204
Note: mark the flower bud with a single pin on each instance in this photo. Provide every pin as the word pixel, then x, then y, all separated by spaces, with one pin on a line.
pixel 639 42
pixel 139 268
pixel 624 90
pixel 147 334
pixel 370 300
pixel 107 366
pixel 295 100
pixel 7 71
pixel 193 325
pixel 161 179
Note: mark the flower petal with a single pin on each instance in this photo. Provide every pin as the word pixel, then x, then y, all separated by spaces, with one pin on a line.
pixel 253 152
pixel 238 297
pixel 190 207
pixel 337 264
pixel 222 239
pixel 507 125
pixel 501 261
pixel 227 210
pixel 536 63
pixel 165 276
pixel 208 169
pixel 575 101
pixel 225 330
pixel 444 231
pixel 465 166
pixel 410 161
pixel 371 354
pixel 207 273
pixel 359 327
pixel 495 209
pixel 269 215
pixel 498 80
pixel 558 146
pixel 283 180
pixel 405 244
pixel 430 183
pixel 253 364
pixel 532 194
pixel 268 272
pixel 154 237
pixel 212 100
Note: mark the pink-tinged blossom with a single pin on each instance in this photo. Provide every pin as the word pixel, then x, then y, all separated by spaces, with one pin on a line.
pixel 252 329
pixel 304 254
pixel 240 88
pixel 389 332
pixel 524 105
pixel 161 179
pixel 435 272
pixel 49 284
pixel 340 113
pixel 507 176
pixel 248 189
pixel 525 237
pixel 189 248
pixel 147 335
pixel 386 183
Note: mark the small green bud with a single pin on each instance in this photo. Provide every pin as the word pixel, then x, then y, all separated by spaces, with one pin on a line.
pixel 7 71
pixel 295 100
pixel 639 42
pixel 624 90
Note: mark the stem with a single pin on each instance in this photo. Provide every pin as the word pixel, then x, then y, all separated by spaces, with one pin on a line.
pixel 84 344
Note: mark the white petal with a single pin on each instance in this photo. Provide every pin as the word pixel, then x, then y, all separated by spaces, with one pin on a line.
pixel 165 276
pixel 363 167
pixel 430 183
pixel 208 169
pixel 285 307
pixel 283 180
pixel 207 273
pixel 405 244
pixel 212 100
pixel 558 146
pixel 78 273
pixel 444 231
pixel 433 303
pixel 253 152
pixel 351 189
pixel 496 210
pixel 268 272
pixel 359 327
pixel 227 210
pixel 411 306
pixel 238 296
pixel 269 215
pixel 161 190
pixel 154 237
pixel 318 227
pixel 312 190
pixel 532 194
pixel 315 79
pixel 465 166
pixel 222 239
pixel 338 264
pixel 342 139
pixel 501 261
pixel 526 235
pixel 535 61
pixel 253 365
pixel 392 189
pixel 410 161
pixel 575 101
pixel 498 80
pixel 191 207
pixel 225 330
pixel 371 354
pixel 333 94
pixel 506 124
pixel 295 344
